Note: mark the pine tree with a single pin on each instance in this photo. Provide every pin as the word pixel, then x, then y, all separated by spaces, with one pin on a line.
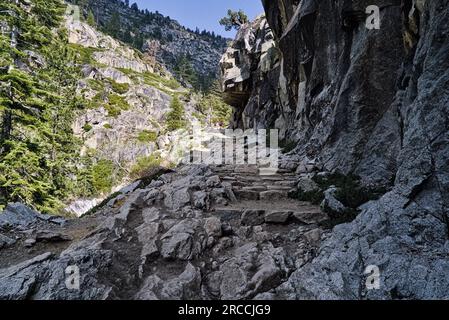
pixel 185 72
pixel 114 25
pixel 37 146
pixel 91 19
pixel 234 19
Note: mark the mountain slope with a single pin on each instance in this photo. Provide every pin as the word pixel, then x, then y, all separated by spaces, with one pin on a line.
pixel 84 114
pixel 172 44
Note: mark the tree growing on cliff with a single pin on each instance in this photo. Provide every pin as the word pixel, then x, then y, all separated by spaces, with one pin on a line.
pixel 234 19
pixel 91 19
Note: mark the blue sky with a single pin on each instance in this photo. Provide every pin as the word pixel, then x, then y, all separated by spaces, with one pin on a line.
pixel 203 14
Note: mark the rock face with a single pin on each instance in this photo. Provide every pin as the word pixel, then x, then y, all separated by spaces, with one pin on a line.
pixel 250 71
pixel 372 103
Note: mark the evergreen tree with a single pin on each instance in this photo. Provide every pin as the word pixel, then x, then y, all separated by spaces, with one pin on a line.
pixel 37 146
pixel 185 72
pixel 91 19
pixel 114 25
pixel 234 19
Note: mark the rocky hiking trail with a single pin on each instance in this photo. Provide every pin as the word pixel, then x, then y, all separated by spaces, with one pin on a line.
pixel 264 198
pixel 201 232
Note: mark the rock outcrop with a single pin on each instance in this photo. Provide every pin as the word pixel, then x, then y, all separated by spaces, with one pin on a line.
pixel 250 72
pixel 372 103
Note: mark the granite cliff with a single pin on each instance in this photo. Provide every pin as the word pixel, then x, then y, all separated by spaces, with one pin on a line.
pixel 371 103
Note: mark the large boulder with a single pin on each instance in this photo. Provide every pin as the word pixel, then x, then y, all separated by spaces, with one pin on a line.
pixel 19 216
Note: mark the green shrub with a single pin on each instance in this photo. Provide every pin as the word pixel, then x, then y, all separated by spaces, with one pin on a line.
pixel 84 54
pixel 87 127
pixel 156 81
pixel 120 88
pixel 116 104
pixel 350 193
pixel 107 126
pixel 213 104
pixel 315 196
pixel 147 136
pixel 103 176
pixel 146 166
pixel 112 110
pixel 96 85
pixel 288 145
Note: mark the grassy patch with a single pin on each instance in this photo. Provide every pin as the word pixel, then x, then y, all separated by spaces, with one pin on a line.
pixel 145 166
pixel 96 85
pixel 156 80
pixel 119 88
pixel 84 54
pixel 147 136
pixel 350 193
pixel 116 104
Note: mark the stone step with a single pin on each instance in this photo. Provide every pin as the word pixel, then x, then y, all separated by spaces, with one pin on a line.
pixel 239 184
pixel 310 215
pixel 278 216
pixel 255 188
pixel 287 171
pixel 279 188
pixel 247 195
pixel 279 178
pixel 248 171
pixel 246 178
pixel 273 195
pixel 227 214
pixel 228 178
pixel 287 183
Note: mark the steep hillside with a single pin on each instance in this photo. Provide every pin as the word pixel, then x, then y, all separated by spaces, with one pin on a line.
pixel 172 44
pixel 84 114
pixel 38 152
pixel 129 125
